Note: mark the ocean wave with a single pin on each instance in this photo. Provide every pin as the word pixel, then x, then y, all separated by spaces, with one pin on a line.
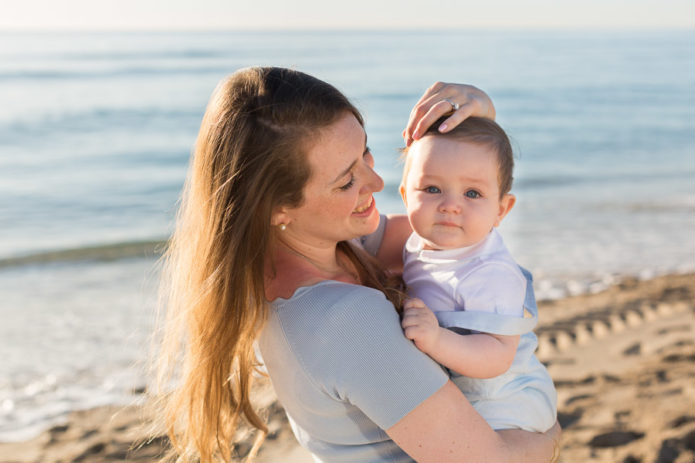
pixel 540 182
pixel 554 287
pixel 95 119
pixel 185 54
pixel 132 71
pixel 104 252
pixel 545 182
pixel 648 208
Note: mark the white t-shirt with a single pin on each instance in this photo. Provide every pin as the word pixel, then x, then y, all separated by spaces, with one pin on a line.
pixel 482 277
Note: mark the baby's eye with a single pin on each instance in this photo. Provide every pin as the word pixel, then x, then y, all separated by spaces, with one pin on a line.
pixel 432 189
pixel 472 194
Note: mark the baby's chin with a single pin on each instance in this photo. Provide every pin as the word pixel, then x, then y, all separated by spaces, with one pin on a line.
pixel 444 245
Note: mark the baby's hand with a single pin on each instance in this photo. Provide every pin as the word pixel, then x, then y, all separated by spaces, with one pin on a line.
pixel 420 325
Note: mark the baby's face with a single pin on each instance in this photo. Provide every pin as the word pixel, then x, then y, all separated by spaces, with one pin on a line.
pixel 452 192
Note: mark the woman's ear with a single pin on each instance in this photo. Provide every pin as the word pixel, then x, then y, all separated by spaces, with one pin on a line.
pixel 279 216
pixel 506 204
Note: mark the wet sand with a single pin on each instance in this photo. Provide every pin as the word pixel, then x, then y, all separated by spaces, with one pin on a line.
pixel 623 361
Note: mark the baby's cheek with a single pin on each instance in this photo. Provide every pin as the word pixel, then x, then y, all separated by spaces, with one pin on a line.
pixel 423 205
pixel 419 220
pixel 421 214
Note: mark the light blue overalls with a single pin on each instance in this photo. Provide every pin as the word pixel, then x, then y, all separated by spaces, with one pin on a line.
pixel 524 396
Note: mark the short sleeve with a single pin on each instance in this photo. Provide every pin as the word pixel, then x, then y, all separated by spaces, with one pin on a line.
pixel 372 242
pixel 373 365
pixel 494 288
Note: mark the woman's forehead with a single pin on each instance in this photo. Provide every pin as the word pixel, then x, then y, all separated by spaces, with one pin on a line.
pixel 337 148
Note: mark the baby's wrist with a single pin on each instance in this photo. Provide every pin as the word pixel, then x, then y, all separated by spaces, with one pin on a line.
pixel 435 341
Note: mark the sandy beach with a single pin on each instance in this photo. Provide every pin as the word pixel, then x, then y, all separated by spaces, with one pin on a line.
pixel 623 361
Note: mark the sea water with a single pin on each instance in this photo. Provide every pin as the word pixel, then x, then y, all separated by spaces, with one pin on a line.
pixel 96 130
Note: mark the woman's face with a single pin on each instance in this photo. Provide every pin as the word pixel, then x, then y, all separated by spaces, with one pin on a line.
pixel 338 203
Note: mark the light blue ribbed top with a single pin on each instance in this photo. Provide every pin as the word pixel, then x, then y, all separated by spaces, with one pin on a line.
pixel 344 372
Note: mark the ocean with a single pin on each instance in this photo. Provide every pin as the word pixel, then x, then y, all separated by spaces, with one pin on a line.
pixel 96 130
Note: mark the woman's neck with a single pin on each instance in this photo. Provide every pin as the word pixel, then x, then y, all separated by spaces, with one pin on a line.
pixel 295 268
pixel 324 259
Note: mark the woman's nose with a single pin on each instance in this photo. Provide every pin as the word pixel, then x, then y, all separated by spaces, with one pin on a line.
pixel 374 182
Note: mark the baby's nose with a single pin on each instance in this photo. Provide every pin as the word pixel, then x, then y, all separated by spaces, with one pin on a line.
pixel 450 205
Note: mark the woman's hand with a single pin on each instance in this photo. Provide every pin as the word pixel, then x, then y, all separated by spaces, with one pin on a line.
pixel 441 99
pixel 555 433
pixel 446 428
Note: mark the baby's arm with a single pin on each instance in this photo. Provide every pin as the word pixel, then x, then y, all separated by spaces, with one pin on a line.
pixel 481 355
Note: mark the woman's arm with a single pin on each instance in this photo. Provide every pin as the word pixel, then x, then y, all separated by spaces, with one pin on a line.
pixel 437 101
pixel 396 233
pixel 446 428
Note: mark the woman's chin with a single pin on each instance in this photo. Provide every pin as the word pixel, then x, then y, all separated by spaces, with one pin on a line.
pixel 368 221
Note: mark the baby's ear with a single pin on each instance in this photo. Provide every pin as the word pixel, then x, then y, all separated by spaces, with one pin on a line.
pixel 506 204
pixel 401 189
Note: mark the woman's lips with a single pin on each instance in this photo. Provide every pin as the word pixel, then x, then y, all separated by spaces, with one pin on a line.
pixel 366 209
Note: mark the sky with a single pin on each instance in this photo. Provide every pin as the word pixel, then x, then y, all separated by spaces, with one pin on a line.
pixel 344 14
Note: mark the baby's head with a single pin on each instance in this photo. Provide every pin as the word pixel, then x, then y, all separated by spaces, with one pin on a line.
pixel 456 185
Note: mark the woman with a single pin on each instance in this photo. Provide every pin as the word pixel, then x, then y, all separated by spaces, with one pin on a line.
pixel 280 186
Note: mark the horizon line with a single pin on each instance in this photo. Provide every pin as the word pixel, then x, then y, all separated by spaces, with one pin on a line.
pixel 433 29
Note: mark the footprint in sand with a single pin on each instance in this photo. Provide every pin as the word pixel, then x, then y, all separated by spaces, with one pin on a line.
pixel 681 421
pixel 635 349
pixel 673 448
pixel 615 438
pixel 566 420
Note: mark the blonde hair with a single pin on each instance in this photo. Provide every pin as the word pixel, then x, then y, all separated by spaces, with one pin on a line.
pixel 249 158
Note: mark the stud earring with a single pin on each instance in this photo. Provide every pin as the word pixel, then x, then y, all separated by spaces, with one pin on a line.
pixel 282 227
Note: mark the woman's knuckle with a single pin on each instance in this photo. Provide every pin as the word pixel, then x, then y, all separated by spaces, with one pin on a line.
pixel 436 85
pixel 420 109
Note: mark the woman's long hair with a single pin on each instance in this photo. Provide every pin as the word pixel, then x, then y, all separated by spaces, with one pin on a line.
pixel 250 157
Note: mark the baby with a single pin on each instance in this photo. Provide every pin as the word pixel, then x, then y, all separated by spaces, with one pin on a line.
pixel 479 309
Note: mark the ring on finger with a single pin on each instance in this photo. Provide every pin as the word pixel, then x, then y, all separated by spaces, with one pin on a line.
pixel 455 106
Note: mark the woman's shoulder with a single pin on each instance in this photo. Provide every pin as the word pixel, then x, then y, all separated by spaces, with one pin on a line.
pixel 328 296
pixel 344 341
pixel 329 313
pixel 328 321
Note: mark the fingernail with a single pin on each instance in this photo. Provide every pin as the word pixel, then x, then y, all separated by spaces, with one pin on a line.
pixel 415 135
pixel 442 127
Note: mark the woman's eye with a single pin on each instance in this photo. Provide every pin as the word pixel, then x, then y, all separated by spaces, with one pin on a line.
pixel 432 189
pixel 369 157
pixel 349 184
pixel 472 194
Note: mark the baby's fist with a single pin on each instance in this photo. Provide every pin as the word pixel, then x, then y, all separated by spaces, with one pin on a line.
pixel 420 325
